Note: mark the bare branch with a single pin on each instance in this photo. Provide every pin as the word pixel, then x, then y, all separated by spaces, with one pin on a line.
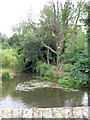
pixel 57 30
pixel 60 44
pixel 54 19
pixel 54 22
pixel 53 34
pixel 63 25
pixel 41 38
pixel 73 31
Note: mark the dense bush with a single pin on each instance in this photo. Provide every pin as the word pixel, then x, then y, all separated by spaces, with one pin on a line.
pixel 5 75
pixel 80 70
pixel 71 82
pixel 49 74
pixel 44 69
pixel 68 81
pixel 41 68
pixel 67 67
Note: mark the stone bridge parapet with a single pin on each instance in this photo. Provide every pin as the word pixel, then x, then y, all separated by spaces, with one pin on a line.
pixel 63 112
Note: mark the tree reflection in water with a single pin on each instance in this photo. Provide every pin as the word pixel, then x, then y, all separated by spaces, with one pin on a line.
pixel 44 97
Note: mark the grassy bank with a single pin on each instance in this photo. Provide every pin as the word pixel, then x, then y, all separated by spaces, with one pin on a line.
pixel 7 73
pixel 65 77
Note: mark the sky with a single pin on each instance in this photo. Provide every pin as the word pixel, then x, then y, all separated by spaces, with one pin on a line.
pixel 14 11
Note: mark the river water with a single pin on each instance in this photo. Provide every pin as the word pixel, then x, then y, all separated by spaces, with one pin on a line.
pixel 41 97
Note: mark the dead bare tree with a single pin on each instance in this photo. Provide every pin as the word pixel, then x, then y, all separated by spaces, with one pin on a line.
pixel 59 29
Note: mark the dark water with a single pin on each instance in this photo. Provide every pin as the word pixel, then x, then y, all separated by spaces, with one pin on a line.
pixel 44 97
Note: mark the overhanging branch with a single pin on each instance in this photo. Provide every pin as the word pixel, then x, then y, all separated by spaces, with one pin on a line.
pixel 41 38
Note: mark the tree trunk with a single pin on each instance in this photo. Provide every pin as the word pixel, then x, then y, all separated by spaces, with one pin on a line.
pixel 59 62
pixel 48 56
pixel 59 65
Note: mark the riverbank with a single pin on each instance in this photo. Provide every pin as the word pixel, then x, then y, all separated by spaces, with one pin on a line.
pixel 12 72
pixel 67 77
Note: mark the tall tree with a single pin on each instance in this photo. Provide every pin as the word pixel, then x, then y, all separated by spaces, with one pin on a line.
pixel 46 16
pixel 64 25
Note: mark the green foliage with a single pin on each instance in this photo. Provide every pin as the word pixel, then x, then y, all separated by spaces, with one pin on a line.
pixel 32 49
pixel 4 41
pixel 67 67
pixel 9 58
pixel 52 75
pixel 77 61
pixel 46 78
pixel 80 71
pixel 15 40
pixel 45 70
pixel 5 45
pixel 24 49
pixel 12 76
pixel 21 63
pixel 3 68
pixel 41 68
pixel 5 75
pixel 78 76
pixel 67 81
pixel 49 74
pixel 56 76
pixel 46 18
pixel 79 45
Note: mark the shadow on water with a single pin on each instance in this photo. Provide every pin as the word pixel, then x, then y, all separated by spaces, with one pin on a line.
pixel 42 97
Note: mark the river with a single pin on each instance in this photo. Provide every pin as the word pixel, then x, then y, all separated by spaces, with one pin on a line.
pixel 38 98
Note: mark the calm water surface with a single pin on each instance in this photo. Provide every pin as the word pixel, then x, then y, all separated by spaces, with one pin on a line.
pixel 44 97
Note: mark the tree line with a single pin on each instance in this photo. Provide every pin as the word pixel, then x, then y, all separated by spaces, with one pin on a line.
pixel 57 39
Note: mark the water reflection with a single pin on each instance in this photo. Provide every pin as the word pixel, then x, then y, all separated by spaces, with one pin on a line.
pixel 10 102
pixel 89 98
pixel 46 97
pixel 85 99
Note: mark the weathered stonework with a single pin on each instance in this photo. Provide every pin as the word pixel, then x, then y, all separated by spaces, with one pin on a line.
pixel 37 113
pixel 89 112
pixel 47 113
pixel 65 112
pixel 27 113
